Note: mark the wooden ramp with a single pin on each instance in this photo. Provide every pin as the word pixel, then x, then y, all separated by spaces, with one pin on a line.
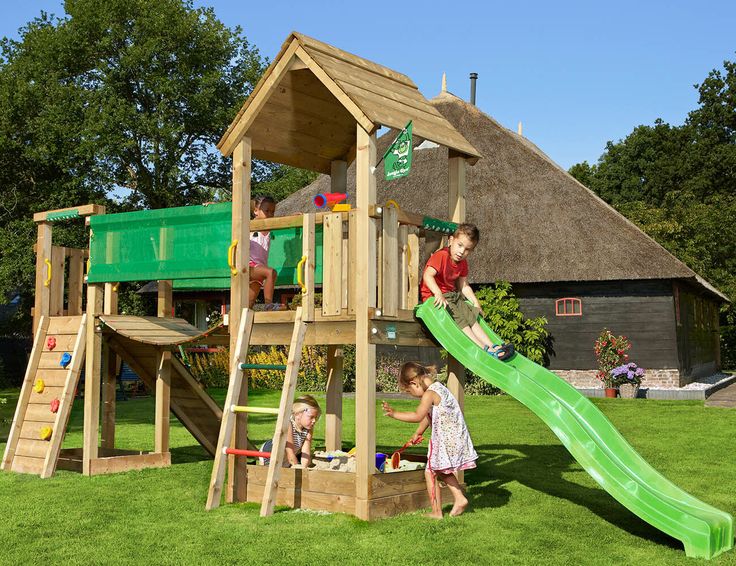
pixel 139 340
pixel 46 396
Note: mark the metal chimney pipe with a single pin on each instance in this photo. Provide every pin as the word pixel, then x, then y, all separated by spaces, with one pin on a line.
pixel 473 78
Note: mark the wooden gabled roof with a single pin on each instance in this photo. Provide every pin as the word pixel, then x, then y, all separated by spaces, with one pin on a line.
pixel 304 109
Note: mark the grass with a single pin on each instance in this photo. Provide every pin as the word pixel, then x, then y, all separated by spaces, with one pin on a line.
pixel 531 503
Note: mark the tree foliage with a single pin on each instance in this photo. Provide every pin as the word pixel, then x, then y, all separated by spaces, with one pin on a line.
pixel 121 98
pixel 678 183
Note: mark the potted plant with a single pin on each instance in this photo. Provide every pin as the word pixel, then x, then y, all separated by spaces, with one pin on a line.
pixel 628 378
pixel 610 352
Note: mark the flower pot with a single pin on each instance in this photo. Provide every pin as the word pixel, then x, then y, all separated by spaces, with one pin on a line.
pixel 628 390
pixel 611 392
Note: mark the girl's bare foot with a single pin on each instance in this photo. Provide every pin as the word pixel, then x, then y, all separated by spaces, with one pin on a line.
pixel 434 515
pixel 459 507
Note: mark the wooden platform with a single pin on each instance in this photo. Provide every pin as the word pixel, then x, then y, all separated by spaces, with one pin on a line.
pixel 156 331
pixel 194 408
pixel 111 461
pixel 391 493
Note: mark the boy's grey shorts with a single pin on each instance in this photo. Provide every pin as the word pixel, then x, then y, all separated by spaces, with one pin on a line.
pixel 462 312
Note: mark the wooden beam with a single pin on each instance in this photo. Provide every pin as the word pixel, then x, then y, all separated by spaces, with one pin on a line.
pixel 364 299
pixel 258 98
pixel 239 289
pixel 333 409
pixel 84 210
pixel 92 378
pixel 165 299
pixel 337 92
pixel 412 298
pixel 43 292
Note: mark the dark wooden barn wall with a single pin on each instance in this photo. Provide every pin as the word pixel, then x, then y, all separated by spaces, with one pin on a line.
pixel 697 331
pixel 643 311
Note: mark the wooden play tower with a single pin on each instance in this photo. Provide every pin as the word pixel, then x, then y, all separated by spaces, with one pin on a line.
pixel 319 108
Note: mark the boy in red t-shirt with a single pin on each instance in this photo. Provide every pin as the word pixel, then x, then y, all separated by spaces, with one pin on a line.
pixel 446 277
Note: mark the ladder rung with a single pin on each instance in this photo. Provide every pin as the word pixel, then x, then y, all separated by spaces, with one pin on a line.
pixel 263 366
pixel 252 453
pixel 261 410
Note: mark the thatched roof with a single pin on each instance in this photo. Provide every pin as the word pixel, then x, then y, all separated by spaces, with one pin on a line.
pixel 537 223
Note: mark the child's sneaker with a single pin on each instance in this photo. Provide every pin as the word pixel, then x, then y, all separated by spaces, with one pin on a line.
pixel 272 307
pixel 503 353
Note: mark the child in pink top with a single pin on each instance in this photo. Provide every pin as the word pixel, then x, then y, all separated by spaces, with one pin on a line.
pixel 261 275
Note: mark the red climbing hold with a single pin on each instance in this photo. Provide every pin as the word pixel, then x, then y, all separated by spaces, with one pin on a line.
pixel 51 342
pixel 55 405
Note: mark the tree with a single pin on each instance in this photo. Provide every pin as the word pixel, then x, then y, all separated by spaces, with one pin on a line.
pixel 678 183
pixel 116 97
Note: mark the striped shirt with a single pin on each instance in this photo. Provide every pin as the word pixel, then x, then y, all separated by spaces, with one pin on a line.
pixel 298 438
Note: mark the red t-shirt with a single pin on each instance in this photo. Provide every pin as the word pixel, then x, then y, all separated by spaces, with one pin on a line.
pixel 447 272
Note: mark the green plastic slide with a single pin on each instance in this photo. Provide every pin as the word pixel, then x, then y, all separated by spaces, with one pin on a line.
pixel 592 440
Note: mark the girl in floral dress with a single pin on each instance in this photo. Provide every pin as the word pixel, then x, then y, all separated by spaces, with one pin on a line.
pixel 450 449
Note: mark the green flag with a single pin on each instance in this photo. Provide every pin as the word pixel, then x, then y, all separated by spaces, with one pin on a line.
pixel 397 159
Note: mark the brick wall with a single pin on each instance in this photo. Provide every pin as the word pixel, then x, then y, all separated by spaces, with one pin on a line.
pixel 654 378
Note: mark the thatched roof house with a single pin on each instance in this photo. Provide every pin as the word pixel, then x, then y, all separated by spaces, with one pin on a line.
pixel 552 237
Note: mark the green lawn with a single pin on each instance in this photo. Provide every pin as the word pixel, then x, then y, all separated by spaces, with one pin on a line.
pixel 530 501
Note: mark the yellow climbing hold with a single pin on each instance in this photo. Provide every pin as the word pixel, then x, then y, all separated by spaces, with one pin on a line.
pixel 38 387
pixel 45 432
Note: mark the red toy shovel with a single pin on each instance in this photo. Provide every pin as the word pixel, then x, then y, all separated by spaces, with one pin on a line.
pixel 396 456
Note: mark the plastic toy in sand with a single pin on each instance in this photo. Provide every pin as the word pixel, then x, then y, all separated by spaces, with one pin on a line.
pixel 396 456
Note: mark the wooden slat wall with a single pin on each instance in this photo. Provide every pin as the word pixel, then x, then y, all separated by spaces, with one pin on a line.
pixel 390 261
pixel 332 265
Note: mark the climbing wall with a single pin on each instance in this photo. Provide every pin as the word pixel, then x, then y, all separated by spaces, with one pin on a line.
pixel 46 397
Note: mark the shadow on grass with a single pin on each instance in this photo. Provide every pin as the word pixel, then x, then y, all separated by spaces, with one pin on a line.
pixel 189 454
pixel 541 467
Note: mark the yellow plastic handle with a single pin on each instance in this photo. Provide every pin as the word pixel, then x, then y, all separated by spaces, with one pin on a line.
pixel 394 203
pixel 48 277
pixel 231 257
pixel 299 276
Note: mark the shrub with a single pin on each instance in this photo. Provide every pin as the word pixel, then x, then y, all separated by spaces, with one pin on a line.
pixel 610 352
pixel 501 310
pixel 211 369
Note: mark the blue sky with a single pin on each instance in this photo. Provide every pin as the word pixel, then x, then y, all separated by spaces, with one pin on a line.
pixel 576 74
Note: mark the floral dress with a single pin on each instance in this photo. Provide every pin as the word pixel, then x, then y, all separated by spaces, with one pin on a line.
pixel 450 448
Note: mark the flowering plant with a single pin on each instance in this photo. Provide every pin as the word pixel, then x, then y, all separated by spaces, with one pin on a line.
pixel 610 352
pixel 627 373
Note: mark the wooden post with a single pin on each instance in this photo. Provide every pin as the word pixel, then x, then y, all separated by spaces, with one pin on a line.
pixel 412 298
pixel 109 373
pixel 332 264
pixel 390 261
pixel 333 290
pixel 163 401
pixel 352 253
pixel 58 261
pixel 456 208
pixel 43 292
pixel 76 282
pixel 92 370
pixel 309 251
pixel 239 286
pixel 333 409
pixel 364 299
pixel 403 237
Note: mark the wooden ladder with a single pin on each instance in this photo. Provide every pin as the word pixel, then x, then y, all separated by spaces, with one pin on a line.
pixel 283 413
pixel 46 384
